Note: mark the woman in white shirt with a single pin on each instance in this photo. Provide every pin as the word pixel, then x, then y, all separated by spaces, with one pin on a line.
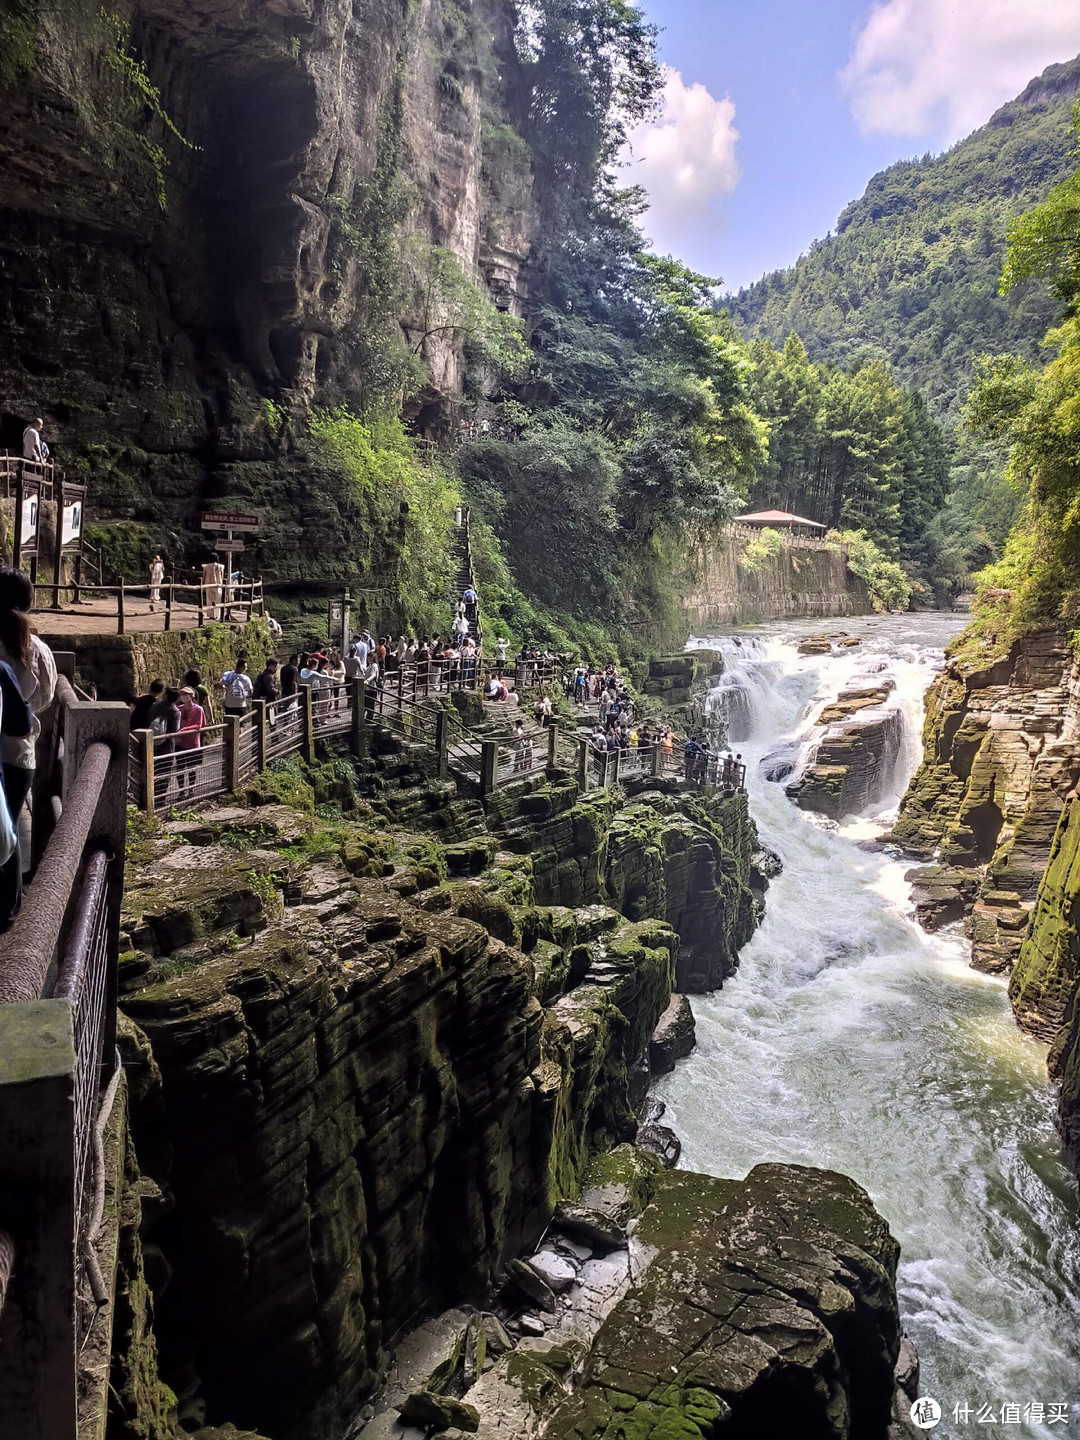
pixel 35 670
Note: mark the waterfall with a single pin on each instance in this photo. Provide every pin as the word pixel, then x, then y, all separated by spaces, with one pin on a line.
pixel 769 697
pixel 852 1040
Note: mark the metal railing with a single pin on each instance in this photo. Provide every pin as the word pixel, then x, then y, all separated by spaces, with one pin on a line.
pixel 57 1042
pixel 183 768
pixel 190 766
pixel 601 769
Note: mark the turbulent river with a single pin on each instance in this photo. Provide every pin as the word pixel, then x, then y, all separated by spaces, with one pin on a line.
pixel 852 1040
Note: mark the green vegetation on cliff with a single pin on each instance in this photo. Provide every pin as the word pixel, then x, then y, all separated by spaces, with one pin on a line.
pixel 852 449
pixel 911 274
pixel 1036 411
pixel 910 280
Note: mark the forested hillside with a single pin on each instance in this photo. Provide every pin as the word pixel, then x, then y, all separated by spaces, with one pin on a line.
pixel 911 275
pixel 905 294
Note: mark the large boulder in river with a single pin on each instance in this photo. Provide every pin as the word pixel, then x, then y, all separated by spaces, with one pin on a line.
pixel 770 1310
pixel 674 1037
pixel 853 767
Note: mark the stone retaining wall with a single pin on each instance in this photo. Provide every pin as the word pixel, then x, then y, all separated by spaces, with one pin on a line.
pixel 801 581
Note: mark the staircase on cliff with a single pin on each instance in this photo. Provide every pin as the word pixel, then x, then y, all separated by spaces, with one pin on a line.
pixel 461 553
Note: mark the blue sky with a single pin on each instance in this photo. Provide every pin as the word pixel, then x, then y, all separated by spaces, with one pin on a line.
pixel 777 112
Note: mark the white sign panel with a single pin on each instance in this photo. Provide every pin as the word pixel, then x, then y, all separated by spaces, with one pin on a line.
pixel 28 529
pixel 72 522
pixel 241 521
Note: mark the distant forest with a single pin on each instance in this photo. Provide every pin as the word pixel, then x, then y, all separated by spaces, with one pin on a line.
pixel 892 313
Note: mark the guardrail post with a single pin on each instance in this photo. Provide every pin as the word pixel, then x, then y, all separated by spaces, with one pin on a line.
pixel 120 608
pixel 168 605
pixel 617 756
pixel 553 740
pixel 519 678
pixel 489 766
pixel 58 552
pixel 584 746
pixel 38 1360
pixel 358 701
pixel 146 755
pixel 258 719
pixel 85 723
pixel 78 577
pixel 307 722
pixel 202 612
pixel 657 760
pixel 232 752
pixel 441 743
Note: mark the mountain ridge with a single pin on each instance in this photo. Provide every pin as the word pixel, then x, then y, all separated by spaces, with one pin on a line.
pixel 910 273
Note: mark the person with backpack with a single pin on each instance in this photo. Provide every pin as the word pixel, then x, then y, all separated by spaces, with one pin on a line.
pixel 193 680
pixel 140 711
pixel 266 686
pixel 164 723
pixel 692 752
pixel 238 688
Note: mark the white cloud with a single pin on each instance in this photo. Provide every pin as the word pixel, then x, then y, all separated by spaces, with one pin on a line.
pixel 938 68
pixel 685 160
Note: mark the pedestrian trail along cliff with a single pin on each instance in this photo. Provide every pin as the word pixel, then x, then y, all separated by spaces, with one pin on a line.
pixel 380 1032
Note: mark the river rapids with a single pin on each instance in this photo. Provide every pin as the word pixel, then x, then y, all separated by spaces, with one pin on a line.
pixel 851 1040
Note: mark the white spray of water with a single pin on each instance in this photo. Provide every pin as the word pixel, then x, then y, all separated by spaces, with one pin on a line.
pixel 851 1040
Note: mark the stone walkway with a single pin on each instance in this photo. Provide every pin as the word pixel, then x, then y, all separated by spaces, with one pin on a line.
pixel 98 617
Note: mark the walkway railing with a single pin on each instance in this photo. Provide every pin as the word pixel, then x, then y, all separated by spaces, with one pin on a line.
pixel 187 767
pixel 789 537
pixel 57 1046
pixel 12 466
pixel 209 603
pixel 601 769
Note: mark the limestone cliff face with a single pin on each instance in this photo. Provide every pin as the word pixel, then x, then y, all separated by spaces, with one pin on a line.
pixel 995 801
pixel 388 1043
pixel 156 292
pixel 1002 751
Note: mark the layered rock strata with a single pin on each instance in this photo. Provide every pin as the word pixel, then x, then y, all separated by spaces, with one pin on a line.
pixel 389 1037
pixel 199 216
pixel 995 799
pixel 855 759
pixel 799 581
pixel 1001 753
pixel 713 1308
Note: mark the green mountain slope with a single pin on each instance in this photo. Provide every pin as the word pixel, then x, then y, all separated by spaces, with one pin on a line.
pixel 911 274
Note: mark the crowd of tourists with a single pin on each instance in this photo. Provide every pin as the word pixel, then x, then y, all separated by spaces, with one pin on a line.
pixel 178 714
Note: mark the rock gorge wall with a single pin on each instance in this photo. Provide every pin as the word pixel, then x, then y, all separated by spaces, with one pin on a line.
pixel 150 330
pixel 994 804
pixel 1001 753
pixel 799 582
pixel 373 1051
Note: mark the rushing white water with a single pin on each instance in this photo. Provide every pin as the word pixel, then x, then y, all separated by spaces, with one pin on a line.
pixel 852 1040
